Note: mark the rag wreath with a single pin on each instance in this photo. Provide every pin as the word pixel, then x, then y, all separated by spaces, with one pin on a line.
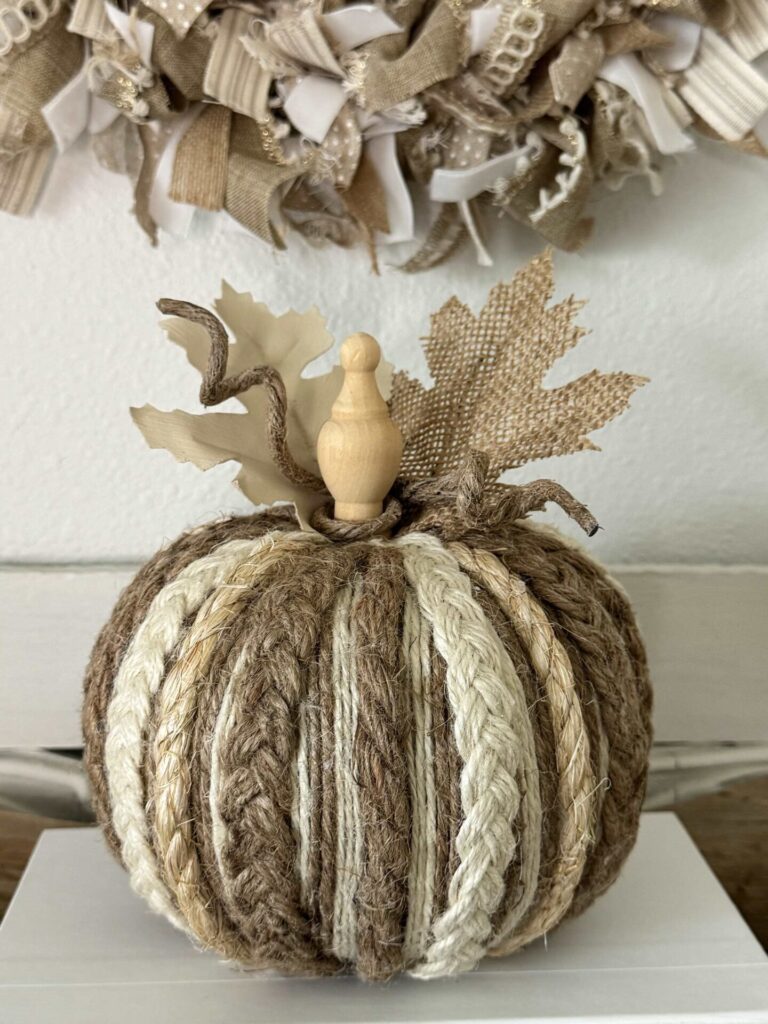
pixel 328 118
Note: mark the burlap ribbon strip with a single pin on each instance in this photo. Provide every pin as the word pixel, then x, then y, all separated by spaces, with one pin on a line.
pixel 200 168
pixel 253 177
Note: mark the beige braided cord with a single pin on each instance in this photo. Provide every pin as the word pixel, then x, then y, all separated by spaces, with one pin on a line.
pixel 128 714
pixel 530 825
pixel 171 750
pixel 577 784
pixel 485 714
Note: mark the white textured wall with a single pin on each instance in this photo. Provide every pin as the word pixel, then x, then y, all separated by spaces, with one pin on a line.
pixel 677 290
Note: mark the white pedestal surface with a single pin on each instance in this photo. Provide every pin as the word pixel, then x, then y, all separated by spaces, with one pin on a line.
pixel 664 945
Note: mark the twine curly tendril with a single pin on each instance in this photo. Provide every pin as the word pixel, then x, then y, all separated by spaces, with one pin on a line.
pixel 216 388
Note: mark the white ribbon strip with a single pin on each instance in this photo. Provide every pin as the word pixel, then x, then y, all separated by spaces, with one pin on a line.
pixel 89 19
pixel 749 35
pixel 685 36
pixel 626 71
pixel 357 24
pixel 375 125
pixel 454 186
pixel 724 89
pixel 175 218
pixel 313 105
pixel 67 113
pixel 102 114
pixel 382 151
pixel 482 254
pixel 75 109
pixel 138 35
pixel 482 25
pixel 393 119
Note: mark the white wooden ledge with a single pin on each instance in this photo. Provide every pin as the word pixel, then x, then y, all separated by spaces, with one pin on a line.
pixel 663 946
pixel 706 629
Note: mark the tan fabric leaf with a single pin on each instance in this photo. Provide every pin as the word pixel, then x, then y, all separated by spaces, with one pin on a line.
pixel 289 343
pixel 488 392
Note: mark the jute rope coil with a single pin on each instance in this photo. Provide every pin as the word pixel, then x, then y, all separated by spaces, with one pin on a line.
pixel 374 754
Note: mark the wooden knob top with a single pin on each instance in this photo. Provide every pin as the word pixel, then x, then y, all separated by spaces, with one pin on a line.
pixel 360 353
pixel 359 448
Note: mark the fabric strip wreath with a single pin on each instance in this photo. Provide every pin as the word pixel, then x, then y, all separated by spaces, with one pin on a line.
pixel 327 118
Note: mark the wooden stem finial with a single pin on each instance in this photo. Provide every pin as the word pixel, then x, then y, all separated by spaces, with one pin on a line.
pixel 359 448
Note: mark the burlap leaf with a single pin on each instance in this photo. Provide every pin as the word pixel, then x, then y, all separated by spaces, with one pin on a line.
pixel 289 343
pixel 488 392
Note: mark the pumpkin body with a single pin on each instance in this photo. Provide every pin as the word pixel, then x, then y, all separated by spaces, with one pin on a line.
pixel 385 755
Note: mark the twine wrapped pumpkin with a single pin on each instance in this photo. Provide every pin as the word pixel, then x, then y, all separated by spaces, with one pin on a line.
pixel 386 742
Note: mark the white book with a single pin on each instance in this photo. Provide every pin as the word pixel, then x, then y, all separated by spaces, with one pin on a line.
pixel 664 945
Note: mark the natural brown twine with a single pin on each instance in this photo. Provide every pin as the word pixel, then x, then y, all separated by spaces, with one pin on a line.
pixel 384 724
pixel 392 745
pixel 282 640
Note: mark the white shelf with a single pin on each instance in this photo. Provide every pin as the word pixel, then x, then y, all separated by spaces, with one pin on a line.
pixel 664 945
pixel 701 625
